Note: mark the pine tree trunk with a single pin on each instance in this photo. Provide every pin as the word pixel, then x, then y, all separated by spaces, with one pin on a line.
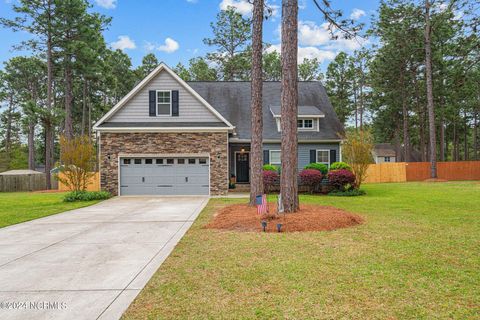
pixel 289 102
pixel 423 138
pixel 442 138
pixel 475 135
pixel 406 141
pixel 84 106
pixel 31 145
pixel 430 105
pixel 48 122
pixel 89 120
pixel 362 84
pixel 68 130
pixel 8 131
pixel 256 154
pixel 354 89
pixel 455 141
pixel 465 136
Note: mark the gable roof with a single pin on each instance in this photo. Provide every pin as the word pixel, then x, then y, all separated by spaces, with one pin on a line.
pixel 384 150
pixel 161 67
pixel 232 100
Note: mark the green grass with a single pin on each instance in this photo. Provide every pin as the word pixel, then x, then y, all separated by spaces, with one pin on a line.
pixel 16 207
pixel 416 257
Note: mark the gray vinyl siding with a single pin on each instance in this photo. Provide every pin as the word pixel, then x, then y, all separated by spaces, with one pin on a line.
pixel 304 150
pixel 190 108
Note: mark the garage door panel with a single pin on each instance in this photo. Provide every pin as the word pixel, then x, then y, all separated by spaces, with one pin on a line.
pixel 183 177
pixel 192 190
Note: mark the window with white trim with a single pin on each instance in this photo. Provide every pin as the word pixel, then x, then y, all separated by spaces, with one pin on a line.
pixel 387 159
pixel 275 157
pixel 164 103
pixel 323 156
pixel 305 123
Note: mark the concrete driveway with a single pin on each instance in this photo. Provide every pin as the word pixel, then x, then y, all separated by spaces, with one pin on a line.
pixel 89 263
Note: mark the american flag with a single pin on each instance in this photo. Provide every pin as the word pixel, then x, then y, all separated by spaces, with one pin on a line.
pixel 262 205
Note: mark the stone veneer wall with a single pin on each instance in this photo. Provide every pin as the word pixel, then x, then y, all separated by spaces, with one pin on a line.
pixel 214 143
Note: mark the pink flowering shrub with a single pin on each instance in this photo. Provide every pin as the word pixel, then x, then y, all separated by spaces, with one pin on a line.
pixel 311 178
pixel 342 179
pixel 270 178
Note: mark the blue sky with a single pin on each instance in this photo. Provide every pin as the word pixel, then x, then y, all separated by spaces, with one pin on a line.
pixel 174 29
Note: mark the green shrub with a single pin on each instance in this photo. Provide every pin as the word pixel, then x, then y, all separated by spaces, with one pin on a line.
pixel 323 168
pixel 270 167
pixel 348 193
pixel 340 165
pixel 86 196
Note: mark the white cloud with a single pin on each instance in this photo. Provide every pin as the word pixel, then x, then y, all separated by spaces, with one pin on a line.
pixel 107 4
pixel 148 46
pixel 244 7
pixel 308 53
pixel 357 14
pixel 312 35
pixel 192 1
pixel 169 46
pixel 241 6
pixel 302 4
pixel 123 43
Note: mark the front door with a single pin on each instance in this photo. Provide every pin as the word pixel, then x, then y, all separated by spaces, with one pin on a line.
pixel 243 167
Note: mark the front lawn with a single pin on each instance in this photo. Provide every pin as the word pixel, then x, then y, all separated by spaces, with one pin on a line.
pixel 16 207
pixel 416 257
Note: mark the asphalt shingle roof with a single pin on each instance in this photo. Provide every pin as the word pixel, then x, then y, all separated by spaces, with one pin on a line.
pixel 232 100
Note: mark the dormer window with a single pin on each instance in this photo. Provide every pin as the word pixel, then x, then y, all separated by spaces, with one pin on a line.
pixel 164 103
pixel 305 123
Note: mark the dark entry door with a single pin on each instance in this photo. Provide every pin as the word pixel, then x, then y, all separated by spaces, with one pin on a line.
pixel 243 167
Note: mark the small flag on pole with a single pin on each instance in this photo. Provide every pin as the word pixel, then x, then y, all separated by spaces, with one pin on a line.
pixel 261 202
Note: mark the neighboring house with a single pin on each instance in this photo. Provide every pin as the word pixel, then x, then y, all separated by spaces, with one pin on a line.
pixel 170 137
pixel 384 152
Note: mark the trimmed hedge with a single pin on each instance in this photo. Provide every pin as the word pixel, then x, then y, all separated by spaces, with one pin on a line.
pixel 323 168
pixel 86 196
pixel 339 166
pixel 270 167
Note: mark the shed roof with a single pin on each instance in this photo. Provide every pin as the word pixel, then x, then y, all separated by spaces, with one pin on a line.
pixel 19 172
pixel 302 111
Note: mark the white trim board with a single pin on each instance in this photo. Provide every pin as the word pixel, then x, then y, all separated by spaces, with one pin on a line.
pixel 163 129
pixel 145 81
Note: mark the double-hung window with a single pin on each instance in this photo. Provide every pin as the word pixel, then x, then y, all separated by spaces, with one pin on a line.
pixel 275 157
pixel 323 156
pixel 387 159
pixel 164 103
pixel 305 124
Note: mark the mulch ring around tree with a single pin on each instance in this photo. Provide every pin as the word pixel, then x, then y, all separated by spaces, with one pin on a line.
pixel 242 218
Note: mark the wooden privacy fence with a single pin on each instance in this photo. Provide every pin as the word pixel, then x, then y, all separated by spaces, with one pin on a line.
pixel 23 182
pixel 419 171
pixel 93 185
pixel 386 172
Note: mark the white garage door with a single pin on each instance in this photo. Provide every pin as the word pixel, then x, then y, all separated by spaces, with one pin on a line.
pixel 164 176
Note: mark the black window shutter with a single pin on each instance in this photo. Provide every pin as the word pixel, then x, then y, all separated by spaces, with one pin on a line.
pixel 152 97
pixel 313 156
pixel 266 157
pixel 175 103
pixel 333 156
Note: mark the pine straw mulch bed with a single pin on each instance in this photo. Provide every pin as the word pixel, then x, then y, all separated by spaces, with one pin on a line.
pixel 242 218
